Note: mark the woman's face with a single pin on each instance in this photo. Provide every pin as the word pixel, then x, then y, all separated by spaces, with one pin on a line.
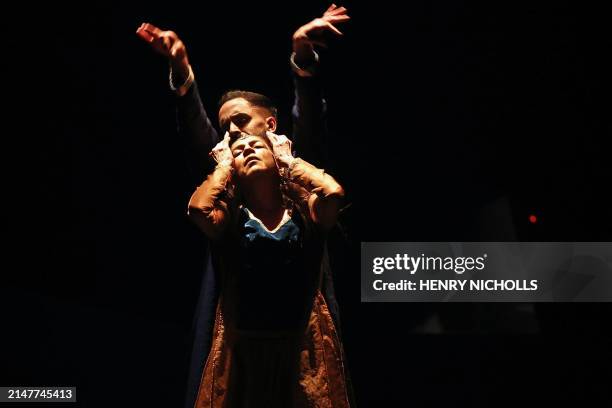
pixel 252 156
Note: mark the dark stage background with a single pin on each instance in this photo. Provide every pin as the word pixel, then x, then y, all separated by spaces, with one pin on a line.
pixel 450 121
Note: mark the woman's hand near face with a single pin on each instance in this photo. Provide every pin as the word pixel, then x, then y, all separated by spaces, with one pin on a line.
pixel 222 152
pixel 281 146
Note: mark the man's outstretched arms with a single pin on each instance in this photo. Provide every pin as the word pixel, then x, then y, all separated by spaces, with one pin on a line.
pixel 192 119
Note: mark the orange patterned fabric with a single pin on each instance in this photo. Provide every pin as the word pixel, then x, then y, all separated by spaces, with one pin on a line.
pixel 275 370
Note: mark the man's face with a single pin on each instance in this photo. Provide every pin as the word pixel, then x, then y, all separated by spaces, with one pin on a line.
pixel 252 155
pixel 239 116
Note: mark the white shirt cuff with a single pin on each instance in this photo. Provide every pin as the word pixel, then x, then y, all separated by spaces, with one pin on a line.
pixel 182 90
pixel 304 72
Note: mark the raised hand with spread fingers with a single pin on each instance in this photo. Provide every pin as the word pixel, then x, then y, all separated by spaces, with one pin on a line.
pixel 313 32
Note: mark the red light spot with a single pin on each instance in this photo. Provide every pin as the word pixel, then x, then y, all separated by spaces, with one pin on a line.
pixel 533 219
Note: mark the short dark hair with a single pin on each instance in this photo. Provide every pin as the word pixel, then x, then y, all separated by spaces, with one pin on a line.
pixel 254 98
